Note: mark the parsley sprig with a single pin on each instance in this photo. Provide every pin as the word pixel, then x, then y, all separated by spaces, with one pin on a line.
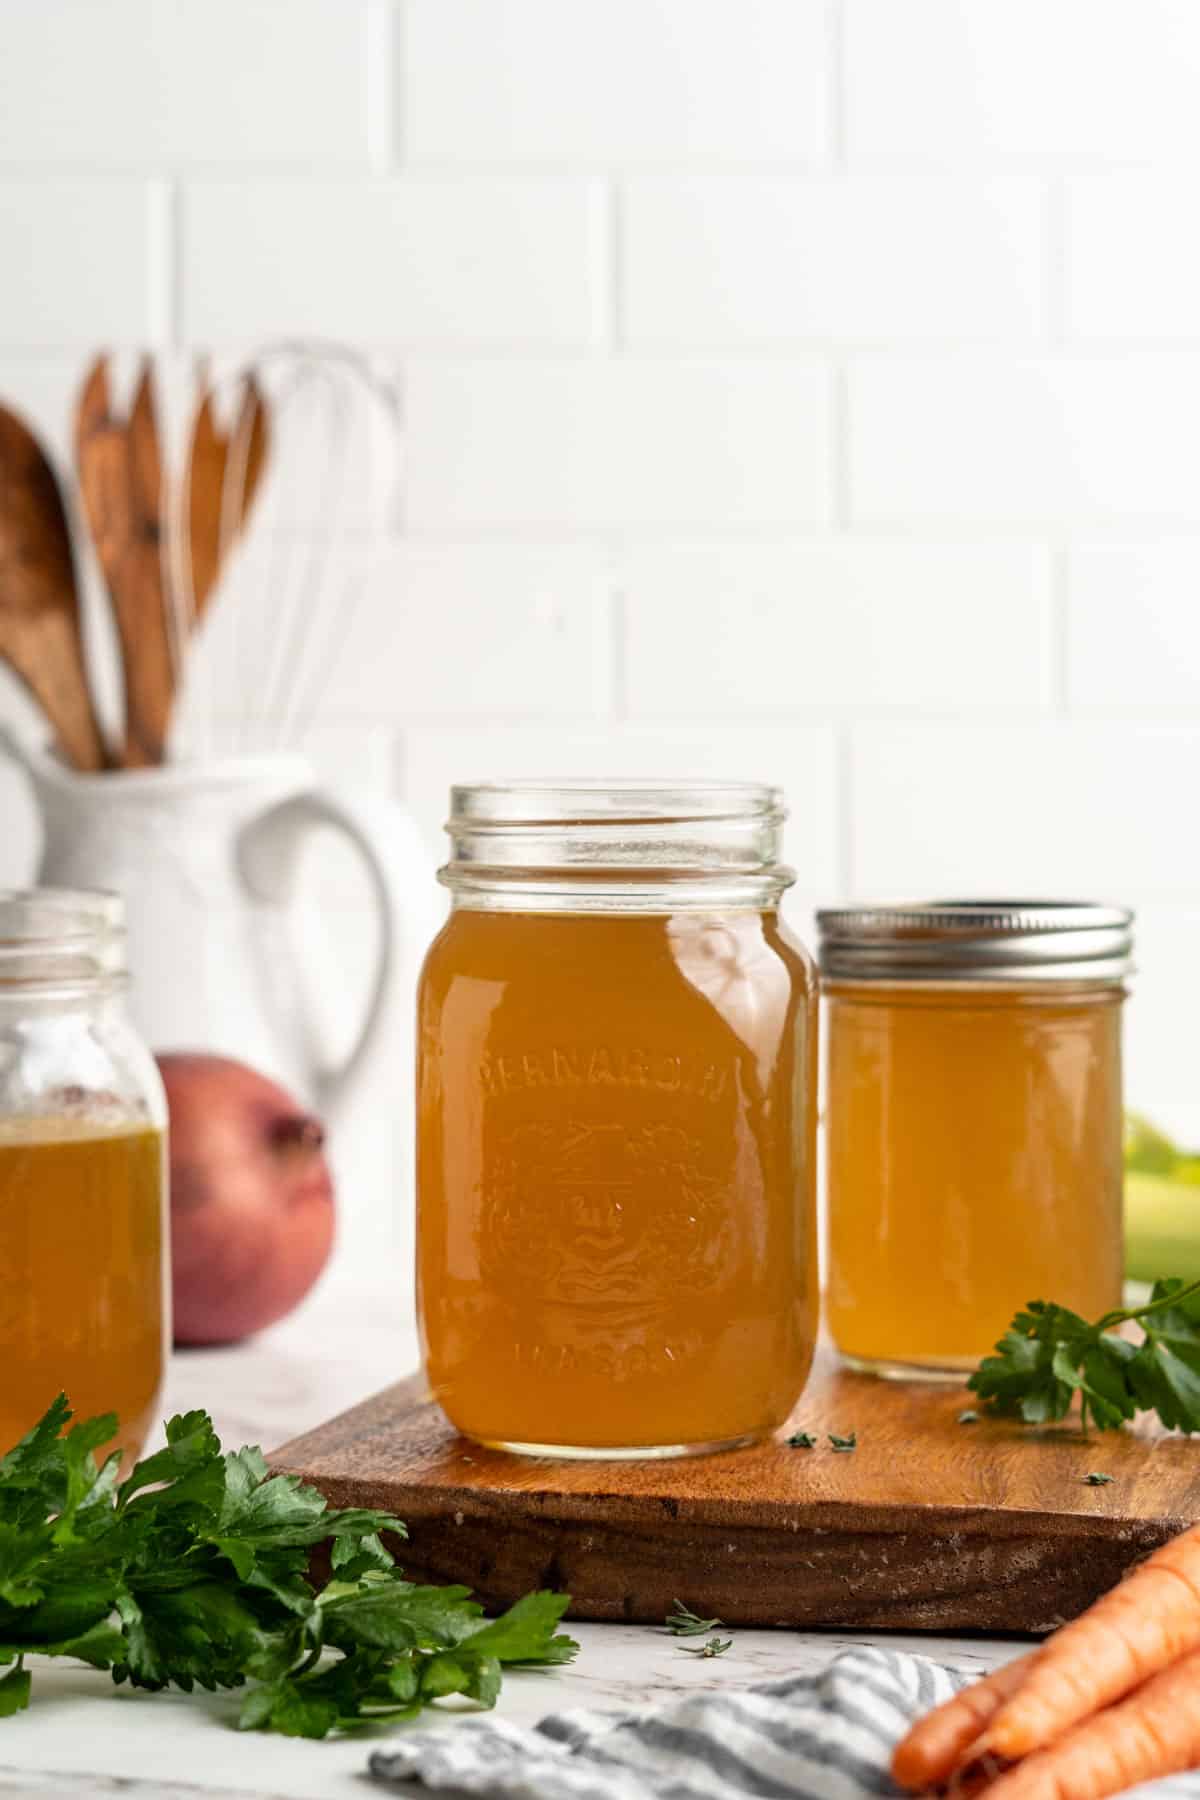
pixel 1049 1355
pixel 193 1572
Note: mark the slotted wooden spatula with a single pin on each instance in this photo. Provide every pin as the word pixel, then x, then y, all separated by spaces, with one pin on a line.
pixel 120 478
pixel 39 606
pixel 223 475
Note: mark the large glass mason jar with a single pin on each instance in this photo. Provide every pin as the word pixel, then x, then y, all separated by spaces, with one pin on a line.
pixel 83 1225
pixel 616 1121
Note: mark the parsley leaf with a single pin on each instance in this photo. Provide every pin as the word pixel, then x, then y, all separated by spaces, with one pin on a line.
pixel 193 1572
pixel 844 1444
pixel 1049 1356
pixel 526 1632
pixel 801 1440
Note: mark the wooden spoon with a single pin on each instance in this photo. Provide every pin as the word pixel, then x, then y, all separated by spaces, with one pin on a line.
pixel 224 473
pixel 120 477
pixel 40 633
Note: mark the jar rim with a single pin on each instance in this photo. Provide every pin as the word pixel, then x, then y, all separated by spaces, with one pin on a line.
pixel 981 939
pixel 615 845
pixel 525 801
pixel 55 938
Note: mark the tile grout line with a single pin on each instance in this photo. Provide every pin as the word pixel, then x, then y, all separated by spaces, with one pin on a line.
pixel 613 324
pixel 384 49
pixel 837 87
pixel 784 720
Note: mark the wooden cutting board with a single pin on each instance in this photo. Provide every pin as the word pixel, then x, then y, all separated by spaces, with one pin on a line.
pixel 929 1525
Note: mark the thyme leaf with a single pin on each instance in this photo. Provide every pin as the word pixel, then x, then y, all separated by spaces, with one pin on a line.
pixel 683 1622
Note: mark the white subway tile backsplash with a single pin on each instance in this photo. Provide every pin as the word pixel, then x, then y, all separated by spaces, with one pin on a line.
pixel 718 629
pixel 1160 1076
pixel 622 80
pixel 1134 625
pixel 1052 809
pixel 709 259
pixel 1132 263
pixel 80 261
pixel 794 389
pixel 799 758
pixel 174 81
pixel 943 79
pixel 401 632
pixel 359 756
pixel 1048 440
pixel 622 443
pixel 418 261
pixel 471 631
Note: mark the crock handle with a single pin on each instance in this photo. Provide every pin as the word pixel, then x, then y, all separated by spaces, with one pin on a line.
pixel 268 853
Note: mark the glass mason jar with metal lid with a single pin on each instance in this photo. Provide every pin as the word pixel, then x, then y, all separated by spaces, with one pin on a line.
pixel 973 1121
pixel 83 1225
pixel 616 1122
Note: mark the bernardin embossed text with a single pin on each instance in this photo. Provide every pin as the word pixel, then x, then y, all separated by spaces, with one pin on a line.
pixel 563 1066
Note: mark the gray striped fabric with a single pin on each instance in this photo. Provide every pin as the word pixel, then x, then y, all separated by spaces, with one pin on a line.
pixel 807 1737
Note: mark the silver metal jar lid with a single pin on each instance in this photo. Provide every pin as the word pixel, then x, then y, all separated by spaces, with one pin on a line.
pixel 977 940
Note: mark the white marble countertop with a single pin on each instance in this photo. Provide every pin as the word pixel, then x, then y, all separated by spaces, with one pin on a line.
pixel 82 1736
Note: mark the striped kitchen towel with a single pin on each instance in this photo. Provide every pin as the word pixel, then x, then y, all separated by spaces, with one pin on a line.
pixel 807 1737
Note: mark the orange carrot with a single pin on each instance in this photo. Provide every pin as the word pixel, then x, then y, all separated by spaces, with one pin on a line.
pixel 1155 1732
pixel 1142 1626
pixel 936 1744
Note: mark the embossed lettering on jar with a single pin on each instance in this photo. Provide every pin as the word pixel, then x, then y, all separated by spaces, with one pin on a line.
pixel 616 1247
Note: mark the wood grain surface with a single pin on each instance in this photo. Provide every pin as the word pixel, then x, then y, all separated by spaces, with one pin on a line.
pixel 928 1525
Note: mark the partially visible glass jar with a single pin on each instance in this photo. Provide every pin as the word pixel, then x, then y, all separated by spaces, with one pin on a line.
pixel 973 1122
pixel 616 1122
pixel 84 1302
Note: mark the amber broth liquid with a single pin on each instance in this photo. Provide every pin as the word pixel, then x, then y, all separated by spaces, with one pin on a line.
pixel 615 1176
pixel 974 1164
pixel 82 1257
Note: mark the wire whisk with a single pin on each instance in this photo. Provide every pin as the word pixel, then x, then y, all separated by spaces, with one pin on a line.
pixel 260 661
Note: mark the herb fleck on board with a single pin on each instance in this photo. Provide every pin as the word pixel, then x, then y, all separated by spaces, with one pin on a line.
pixel 714 1647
